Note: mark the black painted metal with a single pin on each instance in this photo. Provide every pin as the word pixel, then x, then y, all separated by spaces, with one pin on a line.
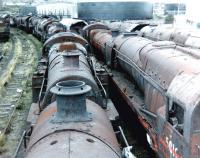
pixel 115 10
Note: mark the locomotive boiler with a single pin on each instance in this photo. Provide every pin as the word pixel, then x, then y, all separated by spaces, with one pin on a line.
pixel 72 126
pixel 186 37
pixel 181 36
pixel 168 79
pixel 66 57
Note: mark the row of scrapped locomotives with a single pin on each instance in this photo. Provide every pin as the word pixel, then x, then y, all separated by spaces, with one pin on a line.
pixel 68 116
pixel 185 37
pixel 168 78
pixel 43 27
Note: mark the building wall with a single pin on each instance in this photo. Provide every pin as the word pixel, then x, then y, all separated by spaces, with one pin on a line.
pixel 67 9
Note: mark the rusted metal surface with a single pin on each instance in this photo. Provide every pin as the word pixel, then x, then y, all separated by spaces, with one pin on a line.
pixel 181 36
pixel 101 41
pixel 152 69
pixel 54 28
pixel 63 37
pixel 71 144
pixel 42 27
pixel 74 134
pixel 99 35
pixel 24 23
pixel 133 97
pixel 128 26
pixel 88 28
pixel 166 141
pixel 49 139
pixel 99 38
pixel 69 66
pixel 38 78
pixel 190 51
pixel 33 22
pixel 157 33
pixel 193 42
pixel 74 25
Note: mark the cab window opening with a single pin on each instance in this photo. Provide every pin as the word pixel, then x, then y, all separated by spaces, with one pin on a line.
pixel 176 117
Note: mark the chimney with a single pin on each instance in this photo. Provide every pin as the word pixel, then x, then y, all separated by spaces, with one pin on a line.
pixel 115 32
pixel 71 101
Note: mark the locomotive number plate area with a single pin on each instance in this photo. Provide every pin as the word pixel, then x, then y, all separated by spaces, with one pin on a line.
pixel 171 146
pixel 168 144
pixel 171 143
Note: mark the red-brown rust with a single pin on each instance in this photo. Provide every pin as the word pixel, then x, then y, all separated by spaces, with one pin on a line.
pixel 88 28
pixel 67 46
pixel 98 129
pixel 62 37
pixel 99 39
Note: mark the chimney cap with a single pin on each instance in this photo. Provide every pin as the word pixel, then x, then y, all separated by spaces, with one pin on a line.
pixel 70 87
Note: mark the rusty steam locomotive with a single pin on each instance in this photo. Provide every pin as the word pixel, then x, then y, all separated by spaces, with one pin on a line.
pixel 181 36
pixel 185 37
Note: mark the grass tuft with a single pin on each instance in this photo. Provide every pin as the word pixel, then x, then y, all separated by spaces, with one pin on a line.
pixel 2 143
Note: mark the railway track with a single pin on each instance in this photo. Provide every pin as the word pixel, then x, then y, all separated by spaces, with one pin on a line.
pixel 24 52
pixel 7 59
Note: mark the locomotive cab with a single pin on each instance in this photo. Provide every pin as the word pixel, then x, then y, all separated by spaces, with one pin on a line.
pixel 179 135
pixel 195 132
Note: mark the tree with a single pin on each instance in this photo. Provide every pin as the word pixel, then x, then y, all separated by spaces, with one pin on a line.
pixel 169 19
